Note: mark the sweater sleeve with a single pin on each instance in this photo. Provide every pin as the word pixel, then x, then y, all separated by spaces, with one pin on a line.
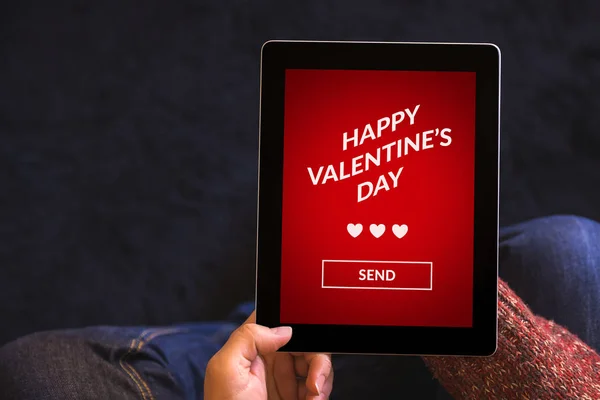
pixel 536 359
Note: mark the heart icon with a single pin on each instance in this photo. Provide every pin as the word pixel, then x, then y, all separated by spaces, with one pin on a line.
pixel 377 230
pixel 400 230
pixel 354 230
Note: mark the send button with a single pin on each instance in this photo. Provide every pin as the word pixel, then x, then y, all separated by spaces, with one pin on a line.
pixel 382 275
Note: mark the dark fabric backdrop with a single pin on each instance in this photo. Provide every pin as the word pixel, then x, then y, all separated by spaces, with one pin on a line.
pixel 128 139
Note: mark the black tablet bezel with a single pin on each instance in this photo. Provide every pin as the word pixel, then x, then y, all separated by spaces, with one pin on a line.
pixel 484 60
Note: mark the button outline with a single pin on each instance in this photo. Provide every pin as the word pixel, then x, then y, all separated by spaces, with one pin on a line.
pixel 376 262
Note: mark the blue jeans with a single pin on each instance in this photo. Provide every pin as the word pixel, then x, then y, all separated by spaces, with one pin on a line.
pixel 552 263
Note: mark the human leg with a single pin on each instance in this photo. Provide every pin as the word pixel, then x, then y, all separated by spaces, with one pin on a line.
pixel 553 264
pixel 113 362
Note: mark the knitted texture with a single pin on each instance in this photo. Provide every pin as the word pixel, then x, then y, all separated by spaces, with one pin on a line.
pixel 536 359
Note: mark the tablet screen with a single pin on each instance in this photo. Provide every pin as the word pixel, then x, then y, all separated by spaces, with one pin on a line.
pixel 378 198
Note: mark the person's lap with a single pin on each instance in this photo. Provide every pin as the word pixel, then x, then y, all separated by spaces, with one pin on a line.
pixel 552 263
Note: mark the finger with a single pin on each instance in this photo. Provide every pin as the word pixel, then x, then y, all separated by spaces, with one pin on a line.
pixel 328 386
pixel 284 376
pixel 319 369
pixel 301 366
pixel 250 340
pixel 302 390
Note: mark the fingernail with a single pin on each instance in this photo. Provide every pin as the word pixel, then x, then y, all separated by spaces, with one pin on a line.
pixel 282 331
pixel 319 384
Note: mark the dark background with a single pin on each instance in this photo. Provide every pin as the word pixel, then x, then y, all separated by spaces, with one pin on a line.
pixel 128 140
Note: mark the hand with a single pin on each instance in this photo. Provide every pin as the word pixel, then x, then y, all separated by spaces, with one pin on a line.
pixel 248 368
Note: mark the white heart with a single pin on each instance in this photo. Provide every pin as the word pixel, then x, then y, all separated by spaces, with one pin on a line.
pixel 377 230
pixel 354 230
pixel 399 230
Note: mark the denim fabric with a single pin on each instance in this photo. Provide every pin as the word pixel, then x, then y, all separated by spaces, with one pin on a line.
pixel 552 263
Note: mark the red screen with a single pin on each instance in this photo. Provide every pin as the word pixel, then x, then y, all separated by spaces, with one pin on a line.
pixel 378 197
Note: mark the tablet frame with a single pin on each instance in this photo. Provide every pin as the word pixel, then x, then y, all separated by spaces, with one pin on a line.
pixel 482 58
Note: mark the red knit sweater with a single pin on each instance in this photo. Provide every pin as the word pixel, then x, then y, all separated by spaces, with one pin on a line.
pixel 536 359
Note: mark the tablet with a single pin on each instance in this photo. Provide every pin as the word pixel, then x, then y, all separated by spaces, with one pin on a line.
pixel 378 196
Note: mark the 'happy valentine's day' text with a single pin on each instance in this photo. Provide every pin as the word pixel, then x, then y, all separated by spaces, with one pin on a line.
pixel 382 155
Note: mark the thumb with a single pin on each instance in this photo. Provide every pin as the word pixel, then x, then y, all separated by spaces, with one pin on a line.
pixel 251 340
